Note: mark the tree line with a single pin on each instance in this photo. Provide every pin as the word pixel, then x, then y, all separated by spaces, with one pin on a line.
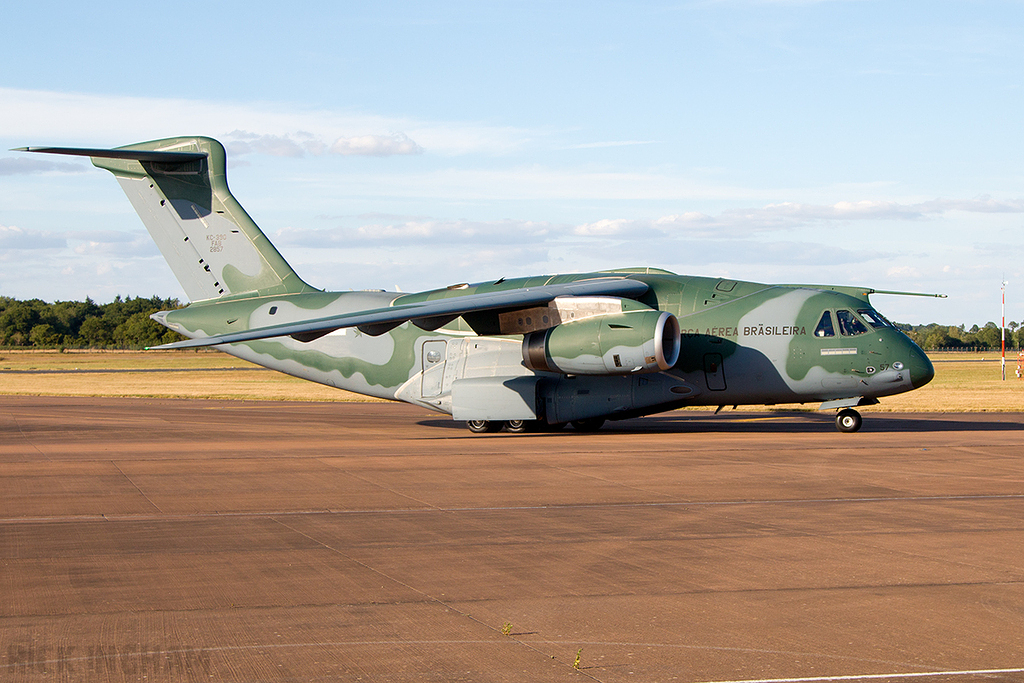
pixel 121 324
pixel 125 324
pixel 936 336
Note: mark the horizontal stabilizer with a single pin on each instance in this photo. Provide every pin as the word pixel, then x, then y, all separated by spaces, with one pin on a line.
pixel 386 318
pixel 131 154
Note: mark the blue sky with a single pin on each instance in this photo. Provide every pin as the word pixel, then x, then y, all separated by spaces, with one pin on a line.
pixel 414 145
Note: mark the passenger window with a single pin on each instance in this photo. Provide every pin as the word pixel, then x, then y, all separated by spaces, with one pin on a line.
pixel 824 328
pixel 849 326
pixel 874 318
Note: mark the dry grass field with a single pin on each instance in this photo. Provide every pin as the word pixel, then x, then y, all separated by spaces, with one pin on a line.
pixel 154 374
pixel 963 382
pixel 968 382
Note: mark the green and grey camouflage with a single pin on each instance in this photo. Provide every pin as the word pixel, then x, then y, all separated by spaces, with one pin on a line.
pixel 526 353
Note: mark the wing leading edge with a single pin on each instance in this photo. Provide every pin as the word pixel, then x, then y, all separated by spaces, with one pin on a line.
pixel 380 320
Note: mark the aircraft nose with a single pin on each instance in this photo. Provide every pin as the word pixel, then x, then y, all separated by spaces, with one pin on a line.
pixel 921 369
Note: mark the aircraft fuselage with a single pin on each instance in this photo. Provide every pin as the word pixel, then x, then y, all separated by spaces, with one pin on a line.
pixel 740 343
pixel 516 353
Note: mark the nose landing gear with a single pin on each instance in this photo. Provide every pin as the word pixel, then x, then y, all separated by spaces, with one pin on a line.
pixel 848 420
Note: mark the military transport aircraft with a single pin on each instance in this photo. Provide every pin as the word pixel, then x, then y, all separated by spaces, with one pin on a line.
pixel 521 354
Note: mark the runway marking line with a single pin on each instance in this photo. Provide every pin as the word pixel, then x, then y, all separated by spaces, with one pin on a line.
pixel 869 677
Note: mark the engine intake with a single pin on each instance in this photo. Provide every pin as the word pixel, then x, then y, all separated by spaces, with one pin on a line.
pixel 618 344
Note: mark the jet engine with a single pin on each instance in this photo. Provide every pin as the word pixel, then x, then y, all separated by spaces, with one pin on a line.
pixel 618 344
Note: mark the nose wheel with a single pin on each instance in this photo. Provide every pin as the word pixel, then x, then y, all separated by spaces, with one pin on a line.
pixel 848 420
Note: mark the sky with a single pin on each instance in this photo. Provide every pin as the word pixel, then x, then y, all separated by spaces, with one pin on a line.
pixel 412 145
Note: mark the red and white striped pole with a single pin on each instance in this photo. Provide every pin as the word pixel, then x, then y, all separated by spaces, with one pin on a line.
pixel 1002 330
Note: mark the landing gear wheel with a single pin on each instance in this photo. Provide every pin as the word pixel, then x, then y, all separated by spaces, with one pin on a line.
pixel 848 420
pixel 520 426
pixel 483 426
pixel 589 425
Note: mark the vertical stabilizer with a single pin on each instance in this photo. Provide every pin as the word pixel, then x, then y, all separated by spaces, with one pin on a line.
pixel 179 188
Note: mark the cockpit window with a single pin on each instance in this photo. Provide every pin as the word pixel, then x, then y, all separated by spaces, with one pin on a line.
pixel 849 326
pixel 824 328
pixel 873 317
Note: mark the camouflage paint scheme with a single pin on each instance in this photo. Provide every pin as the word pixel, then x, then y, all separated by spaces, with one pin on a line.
pixel 603 357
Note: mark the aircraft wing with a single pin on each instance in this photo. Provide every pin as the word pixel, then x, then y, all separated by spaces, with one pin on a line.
pixel 386 318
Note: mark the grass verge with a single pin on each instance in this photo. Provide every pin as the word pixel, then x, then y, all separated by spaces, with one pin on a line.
pixel 963 382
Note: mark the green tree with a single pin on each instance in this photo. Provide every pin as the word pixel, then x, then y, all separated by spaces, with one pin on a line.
pixel 915 336
pixel 96 332
pixel 17 321
pixel 988 336
pixel 139 331
pixel 84 323
pixel 44 336
pixel 68 316
pixel 941 339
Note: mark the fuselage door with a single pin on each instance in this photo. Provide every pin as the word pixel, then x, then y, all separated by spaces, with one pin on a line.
pixel 714 373
pixel 433 367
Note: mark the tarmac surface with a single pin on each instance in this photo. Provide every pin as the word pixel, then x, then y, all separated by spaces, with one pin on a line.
pixel 155 540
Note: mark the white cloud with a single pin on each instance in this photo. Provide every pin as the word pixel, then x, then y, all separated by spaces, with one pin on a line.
pixel 708 256
pixel 33 116
pixel 784 216
pixel 612 143
pixel 240 142
pixel 606 227
pixel 869 209
pixel 26 165
pixel 112 243
pixel 376 145
pixel 691 242
pixel 531 183
pixel 423 231
pixel 903 272
pixel 13 237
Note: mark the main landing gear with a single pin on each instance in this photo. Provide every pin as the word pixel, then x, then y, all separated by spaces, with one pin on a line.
pixel 524 426
pixel 512 426
pixel 484 426
pixel 521 426
pixel 848 420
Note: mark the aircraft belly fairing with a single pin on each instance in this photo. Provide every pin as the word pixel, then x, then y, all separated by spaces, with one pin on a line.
pixel 577 348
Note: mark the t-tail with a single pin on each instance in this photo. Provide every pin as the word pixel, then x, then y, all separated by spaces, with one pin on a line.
pixel 179 188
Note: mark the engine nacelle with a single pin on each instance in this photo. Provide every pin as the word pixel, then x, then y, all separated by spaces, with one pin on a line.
pixel 617 344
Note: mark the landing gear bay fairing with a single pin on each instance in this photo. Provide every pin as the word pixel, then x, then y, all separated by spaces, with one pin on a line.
pixel 523 354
